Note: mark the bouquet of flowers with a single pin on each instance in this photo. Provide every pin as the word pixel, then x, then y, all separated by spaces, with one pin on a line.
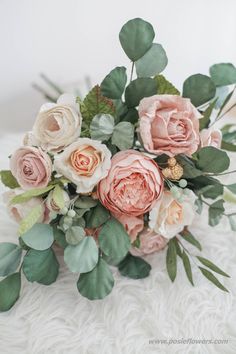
pixel 119 175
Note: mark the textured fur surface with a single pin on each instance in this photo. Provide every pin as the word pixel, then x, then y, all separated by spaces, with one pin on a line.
pixel 57 320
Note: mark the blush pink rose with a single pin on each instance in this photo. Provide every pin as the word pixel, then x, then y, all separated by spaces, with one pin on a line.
pixel 19 212
pixel 150 242
pixel 169 125
pixel 31 167
pixel 133 184
pixel 209 137
pixel 132 224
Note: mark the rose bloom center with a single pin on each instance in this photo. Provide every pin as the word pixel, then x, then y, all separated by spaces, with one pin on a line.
pixel 85 160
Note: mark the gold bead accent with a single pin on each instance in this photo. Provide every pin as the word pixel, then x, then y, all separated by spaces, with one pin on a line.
pixel 172 162
pixel 177 172
pixel 166 172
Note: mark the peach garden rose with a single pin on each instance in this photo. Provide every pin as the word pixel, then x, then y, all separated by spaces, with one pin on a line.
pixel 169 125
pixel 169 216
pixel 31 167
pixel 133 184
pixel 85 163
pixel 57 124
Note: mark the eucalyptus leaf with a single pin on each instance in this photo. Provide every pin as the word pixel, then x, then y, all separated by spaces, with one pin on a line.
pixel 102 127
pixel 75 235
pixel 211 159
pixel 83 257
pixel 96 284
pixel 114 83
pixel 113 239
pixel 199 88
pixel 85 202
pixel 59 237
pixel 223 74
pixel 212 266
pixel 215 212
pixel 210 276
pixel 134 267
pixel 153 62
pixel 171 260
pixel 10 257
pixel 31 219
pixel 97 216
pixel 212 191
pixel 39 237
pixel 205 121
pixel 123 135
pixel 232 187
pixel 232 221
pixel 9 291
pixel 199 205
pixel 138 89
pixel 8 179
pixel 190 170
pixel 41 266
pixel 136 38
pixel 187 267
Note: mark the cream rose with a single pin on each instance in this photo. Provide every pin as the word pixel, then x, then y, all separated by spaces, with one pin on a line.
pixel 84 163
pixel 19 211
pixel 210 137
pixel 57 124
pixel 150 242
pixel 168 217
pixel 169 125
pixel 31 167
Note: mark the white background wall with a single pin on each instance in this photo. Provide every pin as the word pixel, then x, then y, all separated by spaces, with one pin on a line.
pixel 69 39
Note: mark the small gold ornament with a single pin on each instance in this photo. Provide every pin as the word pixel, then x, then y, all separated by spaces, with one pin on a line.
pixel 171 162
pixel 177 172
pixel 166 172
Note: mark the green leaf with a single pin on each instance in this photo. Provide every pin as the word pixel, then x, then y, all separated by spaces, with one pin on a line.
pixel 39 237
pixel 205 121
pixel 228 146
pixel 199 88
pixel 215 212
pixel 24 197
pixel 84 202
pixel 102 127
pixel 8 179
pixel 199 205
pixel 211 159
pixel 114 240
pixel 130 116
pixel 95 103
pixel 83 257
pixel 232 221
pixel 212 266
pixel 75 235
pixel 96 216
pixel 41 266
pixel 165 87
pixel 232 187
pixel 10 257
pixel 187 267
pixel 210 276
pixel 96 284
pixel 123 135
pixel 134 267
pixel 177 246
pixel 138 89
pixel 58 197
pixel 212 191
pixel 223 74
pixel 9 291
pixel 114 83
pixel 171 260
pixel 187 236
pixel 60 237
pixel 31 219
pixel 153 62
pixel 136 38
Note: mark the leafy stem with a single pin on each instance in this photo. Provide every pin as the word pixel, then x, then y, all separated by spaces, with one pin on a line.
pixel 132 71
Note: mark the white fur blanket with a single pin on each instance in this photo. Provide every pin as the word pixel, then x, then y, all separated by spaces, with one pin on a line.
pixel 136 315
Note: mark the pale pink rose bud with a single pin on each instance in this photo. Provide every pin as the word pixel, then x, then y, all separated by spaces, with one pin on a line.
pixel 132 224
pixel 150 242
pixel 210 137
pixel 31 167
